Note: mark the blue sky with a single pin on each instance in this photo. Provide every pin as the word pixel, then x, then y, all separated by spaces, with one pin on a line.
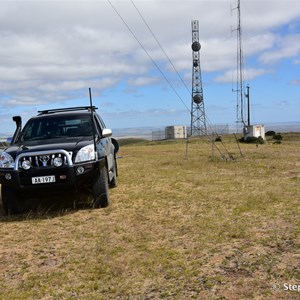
pixel 51 52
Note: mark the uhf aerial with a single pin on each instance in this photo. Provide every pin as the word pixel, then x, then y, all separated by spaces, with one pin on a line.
pixel 241 107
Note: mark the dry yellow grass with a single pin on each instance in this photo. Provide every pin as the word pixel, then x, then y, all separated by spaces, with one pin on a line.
pixel 200 228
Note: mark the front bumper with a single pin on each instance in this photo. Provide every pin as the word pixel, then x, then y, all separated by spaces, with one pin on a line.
pixel 74 176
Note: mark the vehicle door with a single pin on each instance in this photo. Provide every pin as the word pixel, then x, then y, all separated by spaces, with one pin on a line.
pixel 106 145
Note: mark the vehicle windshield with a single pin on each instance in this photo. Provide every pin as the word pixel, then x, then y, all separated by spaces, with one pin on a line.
pixel 57 127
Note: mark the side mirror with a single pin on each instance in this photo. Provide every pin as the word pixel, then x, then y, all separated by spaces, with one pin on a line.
pixel 106 132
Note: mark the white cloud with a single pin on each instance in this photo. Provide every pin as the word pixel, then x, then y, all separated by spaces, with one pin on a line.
pixel 267 15
pixel 142 81
pixel 284 47
pixel 24 101
pixel 76 85
pixel 249 74
pixel 295 82
pixel 57 49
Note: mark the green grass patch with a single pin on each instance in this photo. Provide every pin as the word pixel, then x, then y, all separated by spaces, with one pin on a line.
pixel 131 141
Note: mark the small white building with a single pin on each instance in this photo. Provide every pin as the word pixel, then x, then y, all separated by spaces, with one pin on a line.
pixel 255 131
pixel 176 132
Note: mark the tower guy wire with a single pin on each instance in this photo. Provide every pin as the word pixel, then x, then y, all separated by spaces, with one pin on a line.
pixel 160 46
pixel 148 54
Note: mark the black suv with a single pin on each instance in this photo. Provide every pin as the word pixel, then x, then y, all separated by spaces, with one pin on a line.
pixel 59 150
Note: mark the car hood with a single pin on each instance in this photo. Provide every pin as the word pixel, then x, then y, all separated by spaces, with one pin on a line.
pixel 69 144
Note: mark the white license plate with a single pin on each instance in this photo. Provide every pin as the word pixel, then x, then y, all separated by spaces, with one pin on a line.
pixel 43 179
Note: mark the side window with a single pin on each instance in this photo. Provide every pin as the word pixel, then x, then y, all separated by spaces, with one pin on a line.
pixel 103 124
pixel 100 122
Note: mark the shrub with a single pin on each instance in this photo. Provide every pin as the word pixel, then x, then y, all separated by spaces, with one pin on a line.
pixel 242 140
pixel 277 137
pixel 270 133
pixel 252 140
pixel 260 140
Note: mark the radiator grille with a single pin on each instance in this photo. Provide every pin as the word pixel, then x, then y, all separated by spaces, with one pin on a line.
pixel 44 160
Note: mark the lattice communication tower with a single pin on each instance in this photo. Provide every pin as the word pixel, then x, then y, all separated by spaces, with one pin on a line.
pixel 198 119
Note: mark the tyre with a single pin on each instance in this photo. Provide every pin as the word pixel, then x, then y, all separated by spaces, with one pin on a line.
pixel 113 182
pixel 11 201
pixel 100 189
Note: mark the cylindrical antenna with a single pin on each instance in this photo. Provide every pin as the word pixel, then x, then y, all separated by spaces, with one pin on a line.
pixel 93 123
pixel 248 104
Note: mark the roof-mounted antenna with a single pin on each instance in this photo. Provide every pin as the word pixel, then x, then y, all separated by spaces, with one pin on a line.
pixel 93 123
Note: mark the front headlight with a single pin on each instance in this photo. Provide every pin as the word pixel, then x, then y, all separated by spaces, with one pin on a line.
pixel 6 160
pixel 85 154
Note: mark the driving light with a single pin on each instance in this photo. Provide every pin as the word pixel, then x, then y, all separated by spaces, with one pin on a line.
pixel 26 165
pixel 8 176
pixel 80 170
pixel 57 161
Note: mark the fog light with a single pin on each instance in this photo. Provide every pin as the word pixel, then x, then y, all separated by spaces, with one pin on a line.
pixel 7 176
pixel 80 170
pixel 26 165
pixel 57 161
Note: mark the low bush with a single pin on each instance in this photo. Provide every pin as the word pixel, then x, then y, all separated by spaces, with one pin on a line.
pixel 252 140
pixel 270 133
pixel 277 137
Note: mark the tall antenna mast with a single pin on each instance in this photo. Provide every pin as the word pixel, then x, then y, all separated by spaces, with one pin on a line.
pixel 198 120
pixel 240 106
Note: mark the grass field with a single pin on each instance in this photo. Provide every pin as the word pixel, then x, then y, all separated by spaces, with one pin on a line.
pixel 177 228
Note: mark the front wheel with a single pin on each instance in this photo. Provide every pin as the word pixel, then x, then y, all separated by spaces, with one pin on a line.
pixel 100 189
pixel 113 182
pixel 11 201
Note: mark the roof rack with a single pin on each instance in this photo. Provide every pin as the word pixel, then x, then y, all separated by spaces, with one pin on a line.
pixel 52 111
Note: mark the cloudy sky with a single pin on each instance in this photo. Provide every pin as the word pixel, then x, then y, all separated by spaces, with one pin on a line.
pixel 51 52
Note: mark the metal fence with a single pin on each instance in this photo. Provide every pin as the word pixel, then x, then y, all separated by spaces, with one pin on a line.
pixel 158 135
pixel 216 129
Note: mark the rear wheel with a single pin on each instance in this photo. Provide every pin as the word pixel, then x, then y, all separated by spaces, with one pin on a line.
pixel 11 201
pixel 100 189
